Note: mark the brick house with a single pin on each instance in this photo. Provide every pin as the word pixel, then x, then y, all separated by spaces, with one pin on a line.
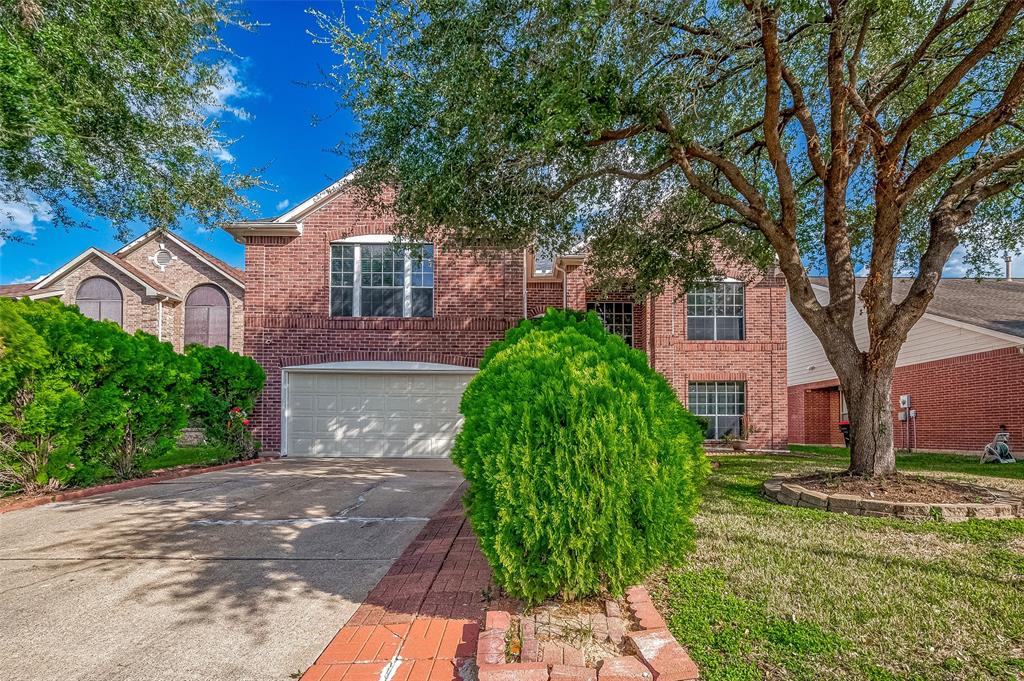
pixel 962 366
pixel 159 283
pixel 367 348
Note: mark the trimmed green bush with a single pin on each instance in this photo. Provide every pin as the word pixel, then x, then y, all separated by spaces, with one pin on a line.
pixel 584 469
pixel 106 397
pixel 224 396
pixel 39 410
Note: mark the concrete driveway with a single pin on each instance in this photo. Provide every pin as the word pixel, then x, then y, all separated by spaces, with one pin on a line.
pixel 241 574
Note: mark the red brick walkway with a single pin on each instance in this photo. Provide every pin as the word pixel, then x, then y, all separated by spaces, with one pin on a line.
pixel 421 622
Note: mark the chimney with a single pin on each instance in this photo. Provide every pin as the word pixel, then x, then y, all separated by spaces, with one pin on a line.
pixel 1009 265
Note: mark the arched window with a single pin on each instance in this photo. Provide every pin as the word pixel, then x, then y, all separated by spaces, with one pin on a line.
pixel 100 299
pixel 206 316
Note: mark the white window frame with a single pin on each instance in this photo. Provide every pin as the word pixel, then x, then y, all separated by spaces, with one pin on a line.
pixel 713 423
pixel 716 317
pixel 357 242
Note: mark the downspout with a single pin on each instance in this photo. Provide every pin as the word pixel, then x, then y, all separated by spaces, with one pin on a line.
pixel 160 319
pixel 565 283
pixel 526 263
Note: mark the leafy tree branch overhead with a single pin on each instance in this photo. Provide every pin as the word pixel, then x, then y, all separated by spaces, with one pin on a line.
pixel 104 108
pixel 840 134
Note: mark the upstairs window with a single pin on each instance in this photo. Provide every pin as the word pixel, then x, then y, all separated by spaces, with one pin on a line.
pixel 617 318
pixel 715 312
pixel 380 280
pixel 99 298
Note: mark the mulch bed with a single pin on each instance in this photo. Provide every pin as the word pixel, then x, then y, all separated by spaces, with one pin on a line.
pixel 907 488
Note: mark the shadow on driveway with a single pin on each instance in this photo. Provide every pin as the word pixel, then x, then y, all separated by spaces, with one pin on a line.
pixel 240 574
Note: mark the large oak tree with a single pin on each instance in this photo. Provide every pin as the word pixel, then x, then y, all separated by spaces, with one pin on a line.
pixel 837 135
pixel 105 107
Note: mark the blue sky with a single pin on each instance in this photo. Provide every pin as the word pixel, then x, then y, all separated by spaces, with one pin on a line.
pixel 268 110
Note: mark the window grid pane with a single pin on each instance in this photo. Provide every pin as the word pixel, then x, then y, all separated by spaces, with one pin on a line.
pixel 715 312
pixel 381 281
pixel 722 403
pixel 617 318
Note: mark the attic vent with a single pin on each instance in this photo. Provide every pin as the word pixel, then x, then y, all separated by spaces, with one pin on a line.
pixel 162 258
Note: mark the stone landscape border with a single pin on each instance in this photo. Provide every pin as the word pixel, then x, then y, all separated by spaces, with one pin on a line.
pixel 785 491
pixel 658 655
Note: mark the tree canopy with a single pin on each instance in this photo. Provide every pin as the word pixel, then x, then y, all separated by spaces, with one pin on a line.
pixel 105 106
pixel 845 135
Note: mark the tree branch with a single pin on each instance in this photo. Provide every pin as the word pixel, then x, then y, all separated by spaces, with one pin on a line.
pixel 999 29
pixel 568 186
pixel 1008 104
pixel 942 22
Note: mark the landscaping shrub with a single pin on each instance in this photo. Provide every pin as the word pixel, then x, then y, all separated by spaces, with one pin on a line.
pixel 133 390
pixel 141 405
pixel 584 469
pixel 225 392
pixel 39 410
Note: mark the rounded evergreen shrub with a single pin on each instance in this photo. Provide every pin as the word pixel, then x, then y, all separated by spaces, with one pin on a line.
pixel 584 469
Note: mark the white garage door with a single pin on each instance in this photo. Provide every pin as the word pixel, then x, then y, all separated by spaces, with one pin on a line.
pixel 359 411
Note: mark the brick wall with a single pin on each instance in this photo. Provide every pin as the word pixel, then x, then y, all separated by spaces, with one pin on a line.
pixel 960 402
pixel 139 312
pixel 477 297
pixel 183 275
pixel 759 360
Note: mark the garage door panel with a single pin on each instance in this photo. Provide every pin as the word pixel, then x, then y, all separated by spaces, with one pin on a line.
pixel 367 414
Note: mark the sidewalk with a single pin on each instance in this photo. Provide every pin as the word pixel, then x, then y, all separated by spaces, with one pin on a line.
pixel 421 621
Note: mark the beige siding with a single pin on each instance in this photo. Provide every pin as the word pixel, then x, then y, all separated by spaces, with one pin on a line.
pixel 929 340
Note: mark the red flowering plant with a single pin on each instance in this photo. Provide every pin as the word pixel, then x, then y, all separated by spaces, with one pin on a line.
pixel 239 434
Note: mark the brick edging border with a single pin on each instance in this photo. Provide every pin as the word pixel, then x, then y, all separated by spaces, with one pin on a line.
pixel 658 656
pixel 1006 505
pixel 171 474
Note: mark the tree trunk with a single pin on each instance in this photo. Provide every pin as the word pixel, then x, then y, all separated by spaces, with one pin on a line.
pixel 868 395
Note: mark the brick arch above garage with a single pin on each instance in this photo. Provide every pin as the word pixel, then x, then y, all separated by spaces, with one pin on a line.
pixel 382 356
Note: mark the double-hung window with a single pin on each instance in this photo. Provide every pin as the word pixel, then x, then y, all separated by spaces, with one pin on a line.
pixel 723 404
pixel 715 312
pixel 381 280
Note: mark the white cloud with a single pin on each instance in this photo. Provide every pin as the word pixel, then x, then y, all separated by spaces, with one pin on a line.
pixel 29 279
pixel 224 94
pixel 282 204
pixel 24 217
pixel 956 267
pixel 221 153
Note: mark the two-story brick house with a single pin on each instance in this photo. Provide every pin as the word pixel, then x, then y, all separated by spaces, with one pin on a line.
pixel 367 348
pixel 159 283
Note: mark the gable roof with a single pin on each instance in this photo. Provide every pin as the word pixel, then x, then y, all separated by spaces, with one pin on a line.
pixel 236 275
pixel 992 304
pixel 152 286
pixel 46 287
pixel 290 222
pixel 25 291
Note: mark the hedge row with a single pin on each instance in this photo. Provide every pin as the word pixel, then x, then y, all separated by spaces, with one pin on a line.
pixel 81 400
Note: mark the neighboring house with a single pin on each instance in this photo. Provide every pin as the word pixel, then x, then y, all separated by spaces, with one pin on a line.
pixel 962 366
pixel 159 283
pixel 367 348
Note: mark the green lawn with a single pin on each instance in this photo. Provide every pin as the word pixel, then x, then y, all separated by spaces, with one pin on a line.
pixel 785 593
pixel 183 456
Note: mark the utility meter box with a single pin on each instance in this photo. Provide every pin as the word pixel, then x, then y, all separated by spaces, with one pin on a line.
pixel 904 401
